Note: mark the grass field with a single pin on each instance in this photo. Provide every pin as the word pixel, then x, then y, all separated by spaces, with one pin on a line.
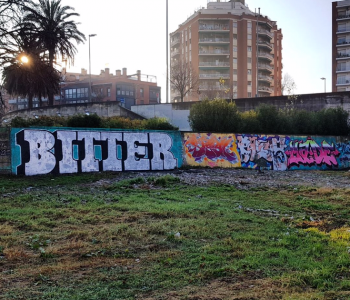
pixel 86 237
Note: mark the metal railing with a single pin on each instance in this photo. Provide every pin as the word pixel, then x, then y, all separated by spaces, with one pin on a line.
pixel 214 64
pixel 264 77
pixel 264 54
pixel 265 44
pixel 264 66
pixel 265 89
pixel 343 81
pixel 214 27
pixel 214 76
pixel 217 51
pixel 214 40
pixel 264 31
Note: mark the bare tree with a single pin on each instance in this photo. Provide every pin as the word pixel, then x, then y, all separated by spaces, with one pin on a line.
pixel 288 85
pixel 183 78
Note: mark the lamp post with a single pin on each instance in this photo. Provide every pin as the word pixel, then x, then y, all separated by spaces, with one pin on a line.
pixel 90 35
pixel 324 79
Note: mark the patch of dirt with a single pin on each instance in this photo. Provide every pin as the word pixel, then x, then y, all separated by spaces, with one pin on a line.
pixel 244 179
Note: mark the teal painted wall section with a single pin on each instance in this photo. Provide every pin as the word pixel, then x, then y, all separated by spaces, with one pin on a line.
pixel 37 151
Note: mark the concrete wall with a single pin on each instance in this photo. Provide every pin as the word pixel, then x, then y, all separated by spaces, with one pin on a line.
pixel 103 109
pixel 177 113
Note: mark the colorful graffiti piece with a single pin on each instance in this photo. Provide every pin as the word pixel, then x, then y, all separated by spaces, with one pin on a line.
pixel 71 151
pixel 344 149
pixel 211 149
pixel 309 153
pixel 263 151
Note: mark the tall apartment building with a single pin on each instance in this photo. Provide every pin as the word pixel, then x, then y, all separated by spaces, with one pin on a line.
pixel 228 41
pixel 341 46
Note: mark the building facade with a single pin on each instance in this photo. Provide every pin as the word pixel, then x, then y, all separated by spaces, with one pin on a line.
pixel 341 46
pixel 127 89
pixel 236 53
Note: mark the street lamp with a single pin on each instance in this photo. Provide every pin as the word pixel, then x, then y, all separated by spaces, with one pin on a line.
pixel 323 78
pixel 90 35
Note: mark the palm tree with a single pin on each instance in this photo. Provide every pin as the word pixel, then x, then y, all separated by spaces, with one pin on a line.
pixel 35 77
pixel 55 31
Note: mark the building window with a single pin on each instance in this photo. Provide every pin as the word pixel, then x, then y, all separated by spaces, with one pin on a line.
pixel 249 71
pixel 234 24
pixel 249 36
pixel 234 49
pixel 249 83
pixel 108 92
pixel 234 83
pixel 235 60
pixel 118 91
pixel 249 94
pixel 234 71
pixel 249 49
pixel 235 36
pixel 249 60
pixel 123 92
pixel 141 92
pixel 249 24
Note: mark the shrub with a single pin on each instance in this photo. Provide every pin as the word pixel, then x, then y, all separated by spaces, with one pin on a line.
pixel 249 122
pixel 86 121
pixel 217 115
pixel 158 124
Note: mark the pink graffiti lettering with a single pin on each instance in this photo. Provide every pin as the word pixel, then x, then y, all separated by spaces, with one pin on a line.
pixel 310 153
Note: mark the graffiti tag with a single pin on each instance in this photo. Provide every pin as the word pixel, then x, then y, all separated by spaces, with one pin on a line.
pixel 209 146
pixel 309 153
pixel 69 151
pixel 256 151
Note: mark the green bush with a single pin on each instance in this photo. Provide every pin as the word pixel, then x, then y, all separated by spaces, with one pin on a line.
pixel 217 115
pixel 86 121
pixel 222 116
pixel 158 124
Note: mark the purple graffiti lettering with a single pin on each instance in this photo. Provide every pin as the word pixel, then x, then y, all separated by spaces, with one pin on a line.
pixel 211 147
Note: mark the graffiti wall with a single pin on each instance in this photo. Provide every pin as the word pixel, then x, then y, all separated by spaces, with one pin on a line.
pixel 271 152
pixel 59 151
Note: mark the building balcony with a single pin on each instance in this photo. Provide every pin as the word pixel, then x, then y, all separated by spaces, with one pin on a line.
pixel 214 27
pixel 265 89
pixel 214 52
pixel 214 64
pixel 343 4
pixel 265 55
pixel 175 42
pixel 214 76
pixel 263 44
pixel 343 30
pixel 214 40
pixel 342 70
pixel 342 56
pixel 343 17
pixel 205 87
pixel 174 53
pixel 341 82
pixel 265 32
pixel 343 43
pixel 265 78
pixel 265 67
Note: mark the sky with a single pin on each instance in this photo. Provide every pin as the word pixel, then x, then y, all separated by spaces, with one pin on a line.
pixel 132 34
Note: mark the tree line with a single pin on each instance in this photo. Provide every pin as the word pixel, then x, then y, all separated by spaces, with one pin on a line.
pixel 222 116
pixel 33 36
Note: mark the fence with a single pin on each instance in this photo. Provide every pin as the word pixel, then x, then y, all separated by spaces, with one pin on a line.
pixel 5 151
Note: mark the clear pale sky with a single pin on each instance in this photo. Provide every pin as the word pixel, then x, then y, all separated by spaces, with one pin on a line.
pixel 132 34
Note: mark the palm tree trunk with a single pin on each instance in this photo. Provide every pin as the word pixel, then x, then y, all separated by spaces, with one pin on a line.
pixel 30 101
pixel 50 92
